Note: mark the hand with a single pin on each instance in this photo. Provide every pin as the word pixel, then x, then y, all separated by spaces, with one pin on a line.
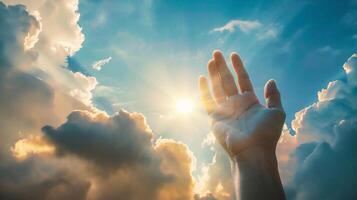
pixel 239 121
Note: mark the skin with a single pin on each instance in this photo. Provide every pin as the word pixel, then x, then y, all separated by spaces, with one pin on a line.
pixel 245 128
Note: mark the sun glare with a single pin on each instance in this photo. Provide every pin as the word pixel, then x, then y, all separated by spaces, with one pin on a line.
pixel 184 106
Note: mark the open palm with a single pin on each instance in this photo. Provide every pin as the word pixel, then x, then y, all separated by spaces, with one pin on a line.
pixel 239 121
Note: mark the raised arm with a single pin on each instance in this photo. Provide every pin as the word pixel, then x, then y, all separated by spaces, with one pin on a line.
pixel 246 129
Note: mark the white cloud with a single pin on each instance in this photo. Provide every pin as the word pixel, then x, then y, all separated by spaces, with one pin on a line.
pixel 244 25
pixel 269 31
pixel 60 36
pixel 99 64
pixel 268 34
pixel 326 132
pixel 260 31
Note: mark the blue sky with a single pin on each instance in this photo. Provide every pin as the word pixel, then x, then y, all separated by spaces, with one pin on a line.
pixel 311 41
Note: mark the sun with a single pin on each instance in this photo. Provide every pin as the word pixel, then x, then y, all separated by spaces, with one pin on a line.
pixel 184 106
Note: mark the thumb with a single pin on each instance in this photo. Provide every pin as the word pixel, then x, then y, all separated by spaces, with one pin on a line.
pixel 272 95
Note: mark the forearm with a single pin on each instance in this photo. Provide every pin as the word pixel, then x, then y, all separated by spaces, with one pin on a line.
pixel 258 175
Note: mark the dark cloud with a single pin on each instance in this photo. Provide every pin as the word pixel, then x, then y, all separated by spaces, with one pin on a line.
pixel 120 148
pixel 57 187
pixel 18 25
pixel 326 162
pixel 109 142
pixel 38 179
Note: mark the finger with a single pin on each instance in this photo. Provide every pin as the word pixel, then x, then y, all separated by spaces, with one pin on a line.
pixel 244 82
pixel 206 97
pixel 216 83
pixel 272 95
pixel 227 79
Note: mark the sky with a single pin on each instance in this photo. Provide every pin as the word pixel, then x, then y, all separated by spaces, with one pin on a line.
pixel 100 98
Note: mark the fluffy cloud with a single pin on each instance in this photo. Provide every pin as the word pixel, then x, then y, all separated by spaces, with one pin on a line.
pixel 99 64
pixel 58 36
pixel 28 100
pixel 124 163
pixel 244 25
pixel 22 93
pixel 215 180
pixel 119 140
pixel 19 25
pixel 324 161
pixel 286 146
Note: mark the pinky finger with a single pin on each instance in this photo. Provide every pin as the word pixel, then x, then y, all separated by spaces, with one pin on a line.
pixel 206 97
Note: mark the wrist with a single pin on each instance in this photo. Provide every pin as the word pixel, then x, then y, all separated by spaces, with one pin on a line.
pixel 257 168
pixel 256 158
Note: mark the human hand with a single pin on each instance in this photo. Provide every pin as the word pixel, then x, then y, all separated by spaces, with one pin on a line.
pixel 239 121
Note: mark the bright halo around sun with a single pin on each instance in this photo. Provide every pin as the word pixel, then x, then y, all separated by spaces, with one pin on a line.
pixel 184 106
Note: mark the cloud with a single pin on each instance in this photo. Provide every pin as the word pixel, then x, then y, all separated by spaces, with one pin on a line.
pixel 36 179
pixel 215 180
pixel 25 93
pixel 31 145
pixel 60 36
pixel 99 64
pixel 269 33
pixel 19 25
pixel 29 99
pixel 261 31
pixel 244 25
pixel 21 93
pixel 324 161
pixel 124 161
pixel 119 140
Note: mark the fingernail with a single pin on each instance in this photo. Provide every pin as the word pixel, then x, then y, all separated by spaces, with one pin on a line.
pixel 273 84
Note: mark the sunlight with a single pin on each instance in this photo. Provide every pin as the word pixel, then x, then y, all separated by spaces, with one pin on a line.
pixel 184 106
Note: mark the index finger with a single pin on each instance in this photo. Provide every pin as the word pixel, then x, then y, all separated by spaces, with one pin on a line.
pixel 206 97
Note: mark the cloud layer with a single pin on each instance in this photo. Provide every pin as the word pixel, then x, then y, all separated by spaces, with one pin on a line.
pixel 325 159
